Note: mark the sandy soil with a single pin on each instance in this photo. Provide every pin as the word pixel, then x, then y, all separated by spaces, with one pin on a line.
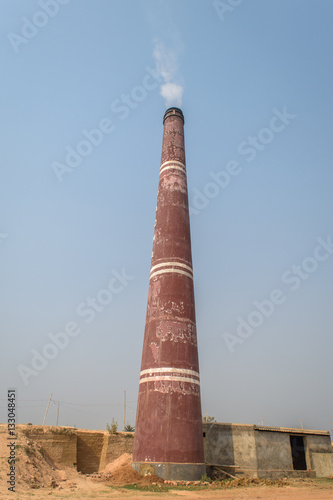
pixel 86 488
pixel 258 492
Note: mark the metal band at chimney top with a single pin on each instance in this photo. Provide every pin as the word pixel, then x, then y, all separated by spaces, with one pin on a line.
pixel 168 437
pixel 173 112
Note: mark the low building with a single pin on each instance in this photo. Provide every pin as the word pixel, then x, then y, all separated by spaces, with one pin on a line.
pixel 267 452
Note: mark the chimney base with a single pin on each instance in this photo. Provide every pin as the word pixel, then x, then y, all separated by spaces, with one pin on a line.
pixel 171 471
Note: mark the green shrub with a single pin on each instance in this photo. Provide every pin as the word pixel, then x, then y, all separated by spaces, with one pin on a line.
pixel 129 428
pixel 113 427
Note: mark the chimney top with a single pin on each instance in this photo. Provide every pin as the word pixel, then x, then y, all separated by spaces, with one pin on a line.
pixel 173 112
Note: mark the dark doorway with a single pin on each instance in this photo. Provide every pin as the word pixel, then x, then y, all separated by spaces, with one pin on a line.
pixel 298 452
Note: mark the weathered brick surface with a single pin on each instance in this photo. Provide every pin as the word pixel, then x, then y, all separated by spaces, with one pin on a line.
pixel 87 450
pixel 90 448
pixel 58 443
pixel 168 426
pixel 117 445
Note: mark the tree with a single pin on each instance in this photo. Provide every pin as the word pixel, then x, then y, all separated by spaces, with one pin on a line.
pixel 129 428
pixel 113 427
pixel 208 420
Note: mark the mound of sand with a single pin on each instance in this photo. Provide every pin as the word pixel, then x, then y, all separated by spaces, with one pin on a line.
pixel 124 459
pixel 35 470
pixel 126 475
pixel 121 473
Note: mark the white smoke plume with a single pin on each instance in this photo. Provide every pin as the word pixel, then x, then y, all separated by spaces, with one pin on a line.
pixel 166 62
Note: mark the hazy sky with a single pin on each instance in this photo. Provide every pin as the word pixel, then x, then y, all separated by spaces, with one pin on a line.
pixel 84 86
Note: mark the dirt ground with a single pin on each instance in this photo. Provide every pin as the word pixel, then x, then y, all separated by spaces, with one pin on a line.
pixel 37 477
pixel 89 492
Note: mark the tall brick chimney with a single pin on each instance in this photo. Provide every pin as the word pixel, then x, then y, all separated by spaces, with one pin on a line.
pixel 168 433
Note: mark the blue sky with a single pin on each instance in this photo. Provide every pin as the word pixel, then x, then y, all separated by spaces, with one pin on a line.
pixel 255 85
